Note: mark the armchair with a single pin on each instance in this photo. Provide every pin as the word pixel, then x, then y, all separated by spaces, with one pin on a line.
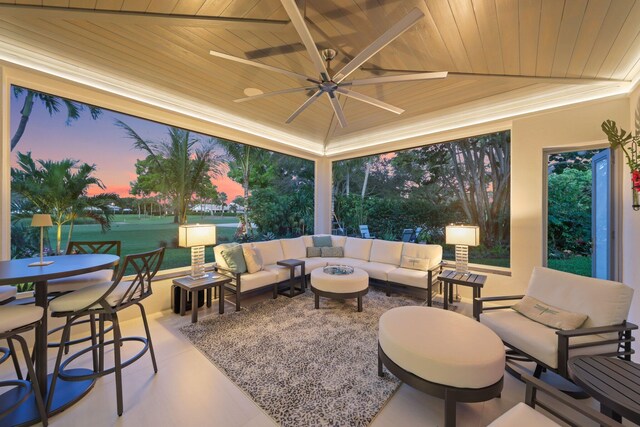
pixel 364 232
pixel 605 331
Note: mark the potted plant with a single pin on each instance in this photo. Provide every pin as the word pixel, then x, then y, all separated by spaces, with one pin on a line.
pixel 629 144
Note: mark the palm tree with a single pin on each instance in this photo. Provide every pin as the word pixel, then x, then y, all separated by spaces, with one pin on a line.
pixel 240 156
pixel 52 104
pixel 60 189
pixel 176 167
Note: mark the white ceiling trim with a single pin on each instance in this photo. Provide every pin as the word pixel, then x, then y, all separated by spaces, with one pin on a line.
pixel 41 62
pixel 499 107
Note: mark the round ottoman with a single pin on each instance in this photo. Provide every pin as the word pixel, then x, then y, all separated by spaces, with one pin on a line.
pixel 339 286
pixel 441 353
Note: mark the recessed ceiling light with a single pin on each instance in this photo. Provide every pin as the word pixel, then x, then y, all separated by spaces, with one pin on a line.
pixel 252 91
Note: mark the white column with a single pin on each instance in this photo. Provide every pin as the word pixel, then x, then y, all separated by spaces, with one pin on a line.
pixel 322 212
pixel 5 167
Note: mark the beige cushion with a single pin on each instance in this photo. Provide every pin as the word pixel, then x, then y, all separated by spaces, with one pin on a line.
pixel 15 316
pixel 311 264
pixel 282 273
pixel 334 251
pixel 442 346
pixel 377 270
pixel 270 251
pixel 249 281
pixel 386 252
pixel 548 315
pixel 414 263
pixel 604 301
pixel 217 254
pixel 523 415
pixel 409 277
pixel 345 261
pixel 431 252
pixel 347 283
pixel 83 298
pixel 335 240
pixel 338 240
pixel 357 248
pixel 252 258
pixel 293 248
pixel 81 281
pixel 312 251
pixel 7 292
pixel 536 339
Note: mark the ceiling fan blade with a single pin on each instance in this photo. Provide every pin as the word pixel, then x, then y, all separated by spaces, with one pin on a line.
pixel 259 65
pixel 396 79
pixel 298 22
pixel 370 100
pixel 337 109
pixel 277 92
pixel 304 106
pixel 275 50
pixel 391 34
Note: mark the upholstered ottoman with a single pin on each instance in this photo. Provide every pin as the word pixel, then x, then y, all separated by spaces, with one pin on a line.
pixel 326 284
pixel 441 353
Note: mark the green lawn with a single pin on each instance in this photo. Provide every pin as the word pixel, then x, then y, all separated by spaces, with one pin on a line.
pixel 147 233
pixel 578 265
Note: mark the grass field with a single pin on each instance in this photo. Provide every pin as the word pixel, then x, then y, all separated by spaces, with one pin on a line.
pixel 578 265
pixel 147 233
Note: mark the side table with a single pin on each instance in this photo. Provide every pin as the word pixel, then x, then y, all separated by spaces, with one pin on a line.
pixel 187 284
pixel 292 264
pixel 450 278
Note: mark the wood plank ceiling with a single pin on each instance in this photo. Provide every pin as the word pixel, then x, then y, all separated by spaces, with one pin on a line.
pixel 544 38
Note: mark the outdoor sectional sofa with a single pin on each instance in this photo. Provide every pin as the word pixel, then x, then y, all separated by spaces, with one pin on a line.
pixel 381 259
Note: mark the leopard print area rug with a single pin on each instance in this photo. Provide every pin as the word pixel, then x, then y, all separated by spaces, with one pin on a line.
pixel 304 367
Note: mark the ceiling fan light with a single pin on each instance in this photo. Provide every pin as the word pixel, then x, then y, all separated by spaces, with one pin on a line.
pixel 253 91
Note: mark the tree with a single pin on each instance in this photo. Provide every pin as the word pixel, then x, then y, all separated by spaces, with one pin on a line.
pixel 239 158
pixel 175 168
pixel 52 104
pixel 60 189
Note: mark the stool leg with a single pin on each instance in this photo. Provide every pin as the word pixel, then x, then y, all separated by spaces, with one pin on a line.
pixel 34 381
pixel 100 342
pixel 117 361
pixel 14 358
pixel 94 342
pixel 148 332
pixel 56 370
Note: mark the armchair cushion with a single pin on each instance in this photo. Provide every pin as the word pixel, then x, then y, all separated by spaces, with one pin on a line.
pixel 409 277
pixel 386 252
pixel 431 252
pixel 536 339
pixel 605 302
pixel 549 315
pixel 357 248
pixel 252 258
pixel 414 263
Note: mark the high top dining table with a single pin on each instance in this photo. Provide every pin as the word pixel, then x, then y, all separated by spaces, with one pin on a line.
pixel 17 271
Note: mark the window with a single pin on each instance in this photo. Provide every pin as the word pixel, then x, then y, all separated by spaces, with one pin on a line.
pixel 109 176
pixel 425 188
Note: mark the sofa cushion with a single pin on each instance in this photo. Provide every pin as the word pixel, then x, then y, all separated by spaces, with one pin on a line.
pixel 386 252
pixel 293 248
pixel 252 258
pixel 431 252
pixel 344 261
pixel 536 339
pixel 338 240
pixel 548 315
pixel 409 277
pixel 312 252
pixel 270 251
pixel 357 248
pixel 249 281
pixel 322 241
pixel 604 301
pixel 217 253
pixel 282 273
pixel 377 270
pixel 334 251
pixel 234 258
pixel 414 263
pixel 311 264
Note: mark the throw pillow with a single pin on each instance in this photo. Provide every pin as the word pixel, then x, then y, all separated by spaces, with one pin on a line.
pixel 414 263
pixel 235 259
pixel 322 241
pixel 549 315
pixel 312 252
pixel 252 258
pixel 334 251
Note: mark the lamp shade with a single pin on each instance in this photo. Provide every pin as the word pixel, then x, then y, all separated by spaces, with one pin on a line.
pixel 41 220
pixel 196 235
pixel 463 235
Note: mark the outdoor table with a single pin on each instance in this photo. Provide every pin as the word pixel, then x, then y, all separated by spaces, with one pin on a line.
pixel 17 271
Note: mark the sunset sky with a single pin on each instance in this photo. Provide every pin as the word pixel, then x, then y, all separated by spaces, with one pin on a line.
pixel 98 142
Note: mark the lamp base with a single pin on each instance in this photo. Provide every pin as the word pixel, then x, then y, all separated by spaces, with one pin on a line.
pixel 40 264
pixel 197 262
pixel 192 277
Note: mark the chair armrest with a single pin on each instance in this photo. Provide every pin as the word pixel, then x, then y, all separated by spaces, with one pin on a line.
pixel 478 306
pixel 626 326
pixel 534 384
pixel 227 272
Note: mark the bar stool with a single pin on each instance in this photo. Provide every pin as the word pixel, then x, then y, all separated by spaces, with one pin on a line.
pixel 15 320
pixel 8 294
pixel 65 285
pixel 106 300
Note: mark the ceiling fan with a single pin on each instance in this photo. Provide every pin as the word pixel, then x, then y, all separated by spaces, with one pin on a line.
pixel 333 84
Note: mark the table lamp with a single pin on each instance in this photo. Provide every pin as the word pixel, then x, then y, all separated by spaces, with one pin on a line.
pixel 462 236
pixel 196 237
pixel 42 221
